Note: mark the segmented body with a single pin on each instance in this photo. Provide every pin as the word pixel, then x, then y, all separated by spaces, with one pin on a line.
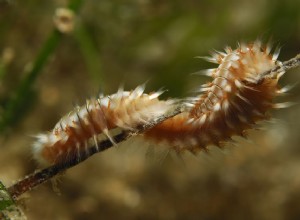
pixel 232 103
pixel 229 105
pixel 82 127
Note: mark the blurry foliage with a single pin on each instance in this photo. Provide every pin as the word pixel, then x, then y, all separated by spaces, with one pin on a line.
pixel 17 102
pixel 5 200
pixel 8 208
pixel 131 42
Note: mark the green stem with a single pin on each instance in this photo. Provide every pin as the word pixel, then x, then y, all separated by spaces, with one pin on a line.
pixel 18 98
pixel 90 54
pixel 2 70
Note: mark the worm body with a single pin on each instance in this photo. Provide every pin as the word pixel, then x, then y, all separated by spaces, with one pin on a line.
pixel 233 102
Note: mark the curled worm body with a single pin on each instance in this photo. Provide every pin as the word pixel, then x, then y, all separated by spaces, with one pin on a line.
pixel 234 101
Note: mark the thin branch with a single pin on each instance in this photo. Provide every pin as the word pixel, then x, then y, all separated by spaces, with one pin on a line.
pixel 40 176
pixel 284 67
pixel 46 174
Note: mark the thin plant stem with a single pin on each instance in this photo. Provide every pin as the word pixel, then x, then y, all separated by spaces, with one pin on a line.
pixel 90 54
pixel 16 101
pixel 46 174
pixel 286 66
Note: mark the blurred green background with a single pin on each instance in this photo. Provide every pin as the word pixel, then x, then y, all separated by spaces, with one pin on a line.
pixel 131 42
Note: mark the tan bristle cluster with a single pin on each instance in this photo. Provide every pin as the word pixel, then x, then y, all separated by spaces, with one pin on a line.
pixel 82 127
pixel 232 103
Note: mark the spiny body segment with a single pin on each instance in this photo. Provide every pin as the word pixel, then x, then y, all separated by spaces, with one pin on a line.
pixel 81 128
pixel 229 105
pixel 233 102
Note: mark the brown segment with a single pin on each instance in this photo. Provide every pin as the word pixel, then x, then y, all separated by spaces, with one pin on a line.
pixel 242 114
pixel 95 118
pixel 218 130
